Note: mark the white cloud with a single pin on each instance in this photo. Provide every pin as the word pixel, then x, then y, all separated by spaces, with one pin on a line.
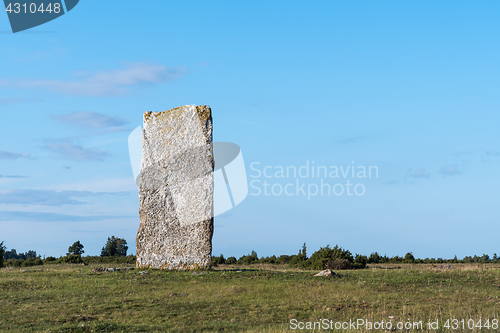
pixel 50 217
pixel 48 197
pixel 420 173
pixel 13 176
pixel 106 83
pixel 450 170
pixel 5 155
pixel 71 151
pixel 93 121
pixel 105 185
pixel 5 101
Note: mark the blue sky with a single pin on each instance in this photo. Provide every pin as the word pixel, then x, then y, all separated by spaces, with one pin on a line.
pixel 411 88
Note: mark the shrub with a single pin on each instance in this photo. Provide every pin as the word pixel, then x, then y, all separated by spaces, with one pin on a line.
pixel 283 259
pixel 14 262
pixel 218 260
pixel 409 258
pixel 49 260
pixel 2 252
pixel 248 259
pixel 300 260
pixel 374 258
pixel 130 259
pixel 69 259
pixel 319 258
pixel 268 260
pixel 30 262
pixel 231 261
pixel 338 264
pixel 359 262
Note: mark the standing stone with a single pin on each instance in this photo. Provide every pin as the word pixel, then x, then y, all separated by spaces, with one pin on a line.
pixel 176 189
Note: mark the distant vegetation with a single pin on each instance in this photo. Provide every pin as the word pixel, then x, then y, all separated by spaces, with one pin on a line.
pixel 114 251
pixel 2 252
pixel 336 258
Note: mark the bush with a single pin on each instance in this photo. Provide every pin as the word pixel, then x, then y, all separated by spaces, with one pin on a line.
pixel 409 258
pixel 69 259
pixel 49 260
pixel 338 264
pixel 359 262
pixel 130 259
pixel 320 258
pixel 231 261
pixel 2 252
pixel 30 261
pixel 374 258
pixel 283 259
pixel 218 260
pixel 14 262
pixel 300 260
pixel 268 260
pixel 248 259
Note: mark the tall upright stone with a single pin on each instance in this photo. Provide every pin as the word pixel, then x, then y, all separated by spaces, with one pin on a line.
pixel 176 189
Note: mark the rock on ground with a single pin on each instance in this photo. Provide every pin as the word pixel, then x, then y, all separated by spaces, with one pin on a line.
pixel 326 272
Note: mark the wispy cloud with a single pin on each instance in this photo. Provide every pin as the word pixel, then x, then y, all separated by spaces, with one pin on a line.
pixel 5 155
pixel 411 177
pixel 50 217
pixel 67 149
pixel 12 176
pixel 14 100
pixel 420 173
pixel 93 121
pixel 106 83
pixel 450 170
pixel 362 138
pixel 354 139
pixel 48 197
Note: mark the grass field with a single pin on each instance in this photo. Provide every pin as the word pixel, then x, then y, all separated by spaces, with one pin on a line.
pixel 257 298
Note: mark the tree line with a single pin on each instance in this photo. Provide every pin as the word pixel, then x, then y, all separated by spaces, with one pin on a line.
pixel 114 251
pixel 336 258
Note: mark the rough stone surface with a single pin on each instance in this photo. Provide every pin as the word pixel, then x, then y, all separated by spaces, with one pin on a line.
pixel 176 189
pixel 326 273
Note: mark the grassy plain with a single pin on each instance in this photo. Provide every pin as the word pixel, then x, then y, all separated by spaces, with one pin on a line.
pixel 256 298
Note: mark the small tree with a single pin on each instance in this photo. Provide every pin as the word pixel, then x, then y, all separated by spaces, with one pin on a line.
pixel 76 249
pixel 2 252
pixel 409 258
pixel 115 247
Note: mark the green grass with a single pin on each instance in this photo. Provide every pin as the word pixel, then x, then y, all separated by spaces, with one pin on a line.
pixel 70 298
